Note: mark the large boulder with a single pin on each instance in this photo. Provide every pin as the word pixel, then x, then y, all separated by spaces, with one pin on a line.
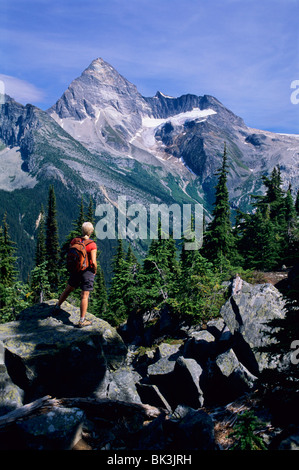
pixel 58 429
pixel 11 396
pixel 247 314
pixel 191 429
pixel 46 353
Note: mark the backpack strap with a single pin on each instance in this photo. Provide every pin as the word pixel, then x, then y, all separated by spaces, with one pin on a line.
pixel 87 242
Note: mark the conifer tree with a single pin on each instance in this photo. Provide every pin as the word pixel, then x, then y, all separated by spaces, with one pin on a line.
pixel 79 221
pixel 117 307
pixel 158 273
pixel 40 252
pixel 297 203
pixel 98 304
pixel 289 231
pixel 13 295
pixel 39 284
pixel 90 217
pixel 52 243
pixel 218 245
pixel 198 296
pixel 268 237
pixel 8 272
pixel 258 243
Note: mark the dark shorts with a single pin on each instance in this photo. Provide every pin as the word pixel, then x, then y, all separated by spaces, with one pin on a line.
pixel 83 280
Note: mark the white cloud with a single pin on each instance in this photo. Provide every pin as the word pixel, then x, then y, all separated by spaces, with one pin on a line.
pixel 20 90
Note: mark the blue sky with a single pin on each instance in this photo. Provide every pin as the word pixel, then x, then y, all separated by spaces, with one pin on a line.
pixel 243 52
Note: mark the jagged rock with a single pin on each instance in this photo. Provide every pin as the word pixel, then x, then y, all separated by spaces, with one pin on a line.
pixel 168 350
pixel 59 429
pixel 200 346
pixel 246 314
pixel 119 385
pixel 229 366
pixel 290 443
pixel 187 375
pixel 192 429
pixel 11 396
pixel 293 281
pixel 162 367
pixel 224 378
pixel 152 436
pixel 50 355
pixel 166 356
pixel 216 327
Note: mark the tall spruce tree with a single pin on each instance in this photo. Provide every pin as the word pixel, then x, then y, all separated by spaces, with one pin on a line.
pixel 117 307
pixel 98 304
pixel 290 231
pixel 198 296
pixel 52 243
pixel 8 271
pixel 268 237
pixel 13 293
pixel 258 242
pixel 273 197
pixel 219 245
pixel 40 286
pixel 80 220
pixel 40 251
pixel 297 203
pixel 90 217
pixel 158 275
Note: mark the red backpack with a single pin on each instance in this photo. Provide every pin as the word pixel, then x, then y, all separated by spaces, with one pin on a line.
pixel 77 258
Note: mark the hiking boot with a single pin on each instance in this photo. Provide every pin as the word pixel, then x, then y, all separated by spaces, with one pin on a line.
pixel 84 323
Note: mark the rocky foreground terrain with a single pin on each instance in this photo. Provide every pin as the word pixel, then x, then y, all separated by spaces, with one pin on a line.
pixel 155 384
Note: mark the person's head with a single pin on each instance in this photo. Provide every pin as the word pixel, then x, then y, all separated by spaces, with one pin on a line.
pixel 87 229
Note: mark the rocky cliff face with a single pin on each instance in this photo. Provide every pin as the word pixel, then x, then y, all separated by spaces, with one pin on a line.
pixel 182 386
pixel 103 139
pixel 105 112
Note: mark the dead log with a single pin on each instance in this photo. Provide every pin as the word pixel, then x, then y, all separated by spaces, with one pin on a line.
pixel 93 407
pixel 24 411
pixel 112 409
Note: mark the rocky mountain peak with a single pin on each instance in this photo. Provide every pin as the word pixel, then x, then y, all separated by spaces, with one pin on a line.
pixel 111 106
pixel 101 74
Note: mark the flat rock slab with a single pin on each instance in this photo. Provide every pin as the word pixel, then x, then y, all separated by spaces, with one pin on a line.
pixel 46 353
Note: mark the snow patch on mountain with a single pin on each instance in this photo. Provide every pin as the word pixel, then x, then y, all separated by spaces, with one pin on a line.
pixel 178 119
pixel 145 136
pixel 11 174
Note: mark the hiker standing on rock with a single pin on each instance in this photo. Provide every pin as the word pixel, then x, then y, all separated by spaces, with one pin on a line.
pixel 82 266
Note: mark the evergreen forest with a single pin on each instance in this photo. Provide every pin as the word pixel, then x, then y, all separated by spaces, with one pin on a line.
pixel 190 282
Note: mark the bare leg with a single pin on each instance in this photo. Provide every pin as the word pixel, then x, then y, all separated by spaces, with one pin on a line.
pixel 65 294
pixel 83 304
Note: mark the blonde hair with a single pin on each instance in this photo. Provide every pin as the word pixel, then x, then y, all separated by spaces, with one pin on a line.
pixel 87 229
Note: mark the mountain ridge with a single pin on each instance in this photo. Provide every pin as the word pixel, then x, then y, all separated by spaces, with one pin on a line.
pixel 121 128
pixel 103 139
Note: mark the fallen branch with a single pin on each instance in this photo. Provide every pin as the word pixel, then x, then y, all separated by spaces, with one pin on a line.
pixel 24 411
pixel 109 409
pixel 101 408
